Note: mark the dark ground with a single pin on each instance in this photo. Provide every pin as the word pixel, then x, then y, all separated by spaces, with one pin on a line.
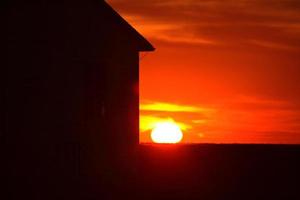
pixel 163 172
pixel 219 172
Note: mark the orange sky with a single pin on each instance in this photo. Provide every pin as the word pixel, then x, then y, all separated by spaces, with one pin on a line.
pixel 225 71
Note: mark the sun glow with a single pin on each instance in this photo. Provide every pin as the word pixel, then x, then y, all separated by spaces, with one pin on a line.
pixel 166 132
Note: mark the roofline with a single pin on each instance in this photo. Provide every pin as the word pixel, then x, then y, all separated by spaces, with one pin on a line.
pixel 148 46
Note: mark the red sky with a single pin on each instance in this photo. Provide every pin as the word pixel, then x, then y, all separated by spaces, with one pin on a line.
pixel 226 71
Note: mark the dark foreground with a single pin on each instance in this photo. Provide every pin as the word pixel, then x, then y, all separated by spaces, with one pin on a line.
pixel 169 172
pixel 220 172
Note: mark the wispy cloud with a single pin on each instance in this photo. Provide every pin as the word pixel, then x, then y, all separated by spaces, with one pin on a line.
pixel 256 114
pixel 169 32
pixel 272 45
pixel 148 122
pixel 216 22
pixel 168 107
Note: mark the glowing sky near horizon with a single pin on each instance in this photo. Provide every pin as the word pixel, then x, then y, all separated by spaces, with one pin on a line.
pixel 224 71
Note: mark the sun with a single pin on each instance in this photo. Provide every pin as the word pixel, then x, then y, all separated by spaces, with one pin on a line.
pixel 166 132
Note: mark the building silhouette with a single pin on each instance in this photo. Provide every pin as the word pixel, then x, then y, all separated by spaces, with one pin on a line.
pixel 71 97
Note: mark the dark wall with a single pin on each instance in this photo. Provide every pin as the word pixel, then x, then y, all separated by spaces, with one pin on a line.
pixel 71 103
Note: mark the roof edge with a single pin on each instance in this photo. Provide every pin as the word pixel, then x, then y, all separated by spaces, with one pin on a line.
pixel 144 44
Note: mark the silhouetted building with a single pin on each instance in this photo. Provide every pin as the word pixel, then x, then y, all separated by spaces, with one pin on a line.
pixel 71 95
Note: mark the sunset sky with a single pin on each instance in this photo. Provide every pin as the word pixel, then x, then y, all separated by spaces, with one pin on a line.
pixel 226 71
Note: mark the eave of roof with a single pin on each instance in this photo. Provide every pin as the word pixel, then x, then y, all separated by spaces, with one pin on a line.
pixel 143 44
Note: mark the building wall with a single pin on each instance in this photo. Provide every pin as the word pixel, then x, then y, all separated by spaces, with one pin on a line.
pixel 71 108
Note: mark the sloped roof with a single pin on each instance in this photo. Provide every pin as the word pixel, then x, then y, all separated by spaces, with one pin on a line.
pixel 142 43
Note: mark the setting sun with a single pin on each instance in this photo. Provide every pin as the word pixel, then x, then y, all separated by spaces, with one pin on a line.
pixel 166 132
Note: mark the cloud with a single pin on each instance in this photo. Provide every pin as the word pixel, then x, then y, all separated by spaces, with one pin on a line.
pixel 255 114
pixel 153 112
pixel 148 122
pixel 272 45
pixel 217 22
pixel 168 107
pixel 169 32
